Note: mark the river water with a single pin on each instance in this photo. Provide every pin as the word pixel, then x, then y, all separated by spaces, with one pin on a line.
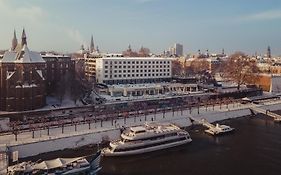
pixel 253 149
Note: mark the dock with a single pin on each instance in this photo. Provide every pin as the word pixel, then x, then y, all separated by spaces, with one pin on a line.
pixel 276 117
pixel 213 129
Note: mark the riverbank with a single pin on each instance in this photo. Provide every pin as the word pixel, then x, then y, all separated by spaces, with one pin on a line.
pixel 56 141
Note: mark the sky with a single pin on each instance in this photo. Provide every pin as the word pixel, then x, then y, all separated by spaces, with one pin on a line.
pixel 63 25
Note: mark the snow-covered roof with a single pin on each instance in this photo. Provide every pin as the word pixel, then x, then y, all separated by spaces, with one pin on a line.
pixel 56 163
pixel 23 56
pixel 40 73
pixel 10 74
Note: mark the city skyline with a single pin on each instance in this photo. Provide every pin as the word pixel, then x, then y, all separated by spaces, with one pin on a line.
pixel 64 25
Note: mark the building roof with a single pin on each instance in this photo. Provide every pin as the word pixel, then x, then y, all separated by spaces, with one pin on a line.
pixel 135 58
pixel 22 56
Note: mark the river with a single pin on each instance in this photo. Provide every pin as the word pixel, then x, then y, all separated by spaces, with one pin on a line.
pixel 253 149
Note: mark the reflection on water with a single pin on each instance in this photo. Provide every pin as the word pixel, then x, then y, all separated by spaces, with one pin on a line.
pixel 254 148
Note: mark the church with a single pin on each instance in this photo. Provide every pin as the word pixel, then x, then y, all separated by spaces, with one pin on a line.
pixel 22 78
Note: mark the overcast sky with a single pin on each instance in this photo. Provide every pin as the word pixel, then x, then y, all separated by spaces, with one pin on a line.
pixel 63 25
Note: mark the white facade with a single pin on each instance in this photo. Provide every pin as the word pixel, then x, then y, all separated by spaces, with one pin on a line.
pixel 178 49
pixel 123 70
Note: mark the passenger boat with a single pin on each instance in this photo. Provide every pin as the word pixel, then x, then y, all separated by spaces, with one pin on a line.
pixel 59 166
pixel 219 129
pixel 147 138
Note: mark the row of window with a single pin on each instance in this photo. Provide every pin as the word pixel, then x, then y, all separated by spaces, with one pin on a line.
pixel 136 75
pixel 133 67
pixel 145 70
pixel 136 62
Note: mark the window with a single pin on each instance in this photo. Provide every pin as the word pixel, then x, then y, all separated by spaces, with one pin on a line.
pixel 120 76
pixel 137 70
pixel 145 70
pixel 124 62
pixel 124 67
pixel 133 67
pixel 129 67
pixel 115 62
pixel 120 67
pixel 129 70
pixel 106 67
pixel 137 66
pixel 133 70
pixel 129 75
pixel 124 75
pixel 120 71
pixel 157 70
pixel 129 62
pixel 115 67
pixel 133 75
pixel 137 62
pixel 106 62
pixel 115 71
pixel 105 76
pixel 153 75
pixel 124 71
pixel 137 75
pixel 106 71
pixel 115 76
pixel 120 62
pixel 133 62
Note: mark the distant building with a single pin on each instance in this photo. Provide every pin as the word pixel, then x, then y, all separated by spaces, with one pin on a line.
pixel 58 67
pixel 269 82
pixel 176 50
pixel 22 85
pixel 90 65
pixel 125 70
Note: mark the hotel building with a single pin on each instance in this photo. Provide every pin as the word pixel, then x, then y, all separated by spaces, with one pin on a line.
pixel 133 70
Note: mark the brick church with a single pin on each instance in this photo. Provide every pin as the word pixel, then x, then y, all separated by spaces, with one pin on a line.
pixel 22 78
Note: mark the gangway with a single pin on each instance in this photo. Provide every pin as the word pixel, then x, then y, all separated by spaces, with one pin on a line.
pixel 203 122
pixel 276 117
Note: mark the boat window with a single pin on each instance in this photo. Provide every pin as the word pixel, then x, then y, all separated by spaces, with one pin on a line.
pixel 149 145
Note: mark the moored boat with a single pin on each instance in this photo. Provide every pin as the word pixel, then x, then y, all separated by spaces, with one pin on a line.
pixel 59 166
pixel 147 138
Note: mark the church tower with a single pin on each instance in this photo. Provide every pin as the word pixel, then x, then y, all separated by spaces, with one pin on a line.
pixel 23 38
pixel 268 52
pixel 92 45
pixel 14 42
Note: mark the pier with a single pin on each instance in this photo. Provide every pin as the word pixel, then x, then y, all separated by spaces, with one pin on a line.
pixel 276 117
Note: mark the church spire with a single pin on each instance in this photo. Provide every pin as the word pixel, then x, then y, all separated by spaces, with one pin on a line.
pixel 92 45
pixel 23 38
pixel 14 42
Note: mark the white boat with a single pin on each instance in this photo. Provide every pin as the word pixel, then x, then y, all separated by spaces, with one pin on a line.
pixel 147 138
pixel 59 166
pixel 219 129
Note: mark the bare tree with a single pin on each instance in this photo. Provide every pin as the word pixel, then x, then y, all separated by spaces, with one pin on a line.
pixel 199 66
pixel 177 68
pixel 240 69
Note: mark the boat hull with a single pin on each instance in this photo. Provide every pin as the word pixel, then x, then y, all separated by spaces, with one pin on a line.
pixel 209 131
pixel 145 150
